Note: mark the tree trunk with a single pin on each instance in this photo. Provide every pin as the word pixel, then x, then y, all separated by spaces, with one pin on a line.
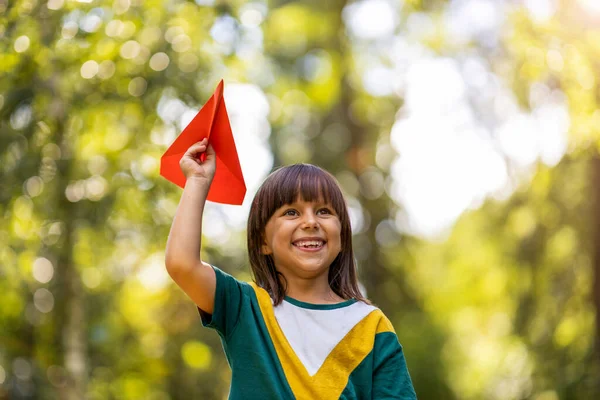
pixel 73 335
pixel 595 188
pixel 72 323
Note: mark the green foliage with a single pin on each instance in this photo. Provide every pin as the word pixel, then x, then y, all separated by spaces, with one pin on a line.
pixel 500 309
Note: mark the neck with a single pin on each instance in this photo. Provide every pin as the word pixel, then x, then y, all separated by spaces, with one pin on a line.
pixel 315 290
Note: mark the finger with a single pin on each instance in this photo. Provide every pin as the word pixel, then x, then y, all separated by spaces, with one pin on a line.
pixel 203 142
pixel 210 150
pixel 196 148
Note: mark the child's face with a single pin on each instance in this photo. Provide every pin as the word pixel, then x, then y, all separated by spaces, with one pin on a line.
pixel 303 238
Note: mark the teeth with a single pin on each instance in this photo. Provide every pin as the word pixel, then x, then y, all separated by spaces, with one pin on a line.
pixel 310 243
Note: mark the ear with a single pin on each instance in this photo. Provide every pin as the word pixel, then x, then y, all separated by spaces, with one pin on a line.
pixel 265 249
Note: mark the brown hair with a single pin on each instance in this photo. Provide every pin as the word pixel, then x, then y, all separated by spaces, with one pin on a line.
pixel 284 186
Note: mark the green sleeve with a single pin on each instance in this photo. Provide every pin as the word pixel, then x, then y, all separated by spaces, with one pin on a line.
pixel 229 296
pixel 391 379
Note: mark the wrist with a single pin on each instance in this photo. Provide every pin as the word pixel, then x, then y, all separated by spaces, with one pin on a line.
pixel 198 182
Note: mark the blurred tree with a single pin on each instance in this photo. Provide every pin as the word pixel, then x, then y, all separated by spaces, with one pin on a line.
pixel 514 286
pixel 92 93
pixel 79 93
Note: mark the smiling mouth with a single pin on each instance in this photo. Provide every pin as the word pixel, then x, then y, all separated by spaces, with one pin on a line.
pixel 309 244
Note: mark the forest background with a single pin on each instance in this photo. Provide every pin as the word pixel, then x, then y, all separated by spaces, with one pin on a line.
pixel 464 133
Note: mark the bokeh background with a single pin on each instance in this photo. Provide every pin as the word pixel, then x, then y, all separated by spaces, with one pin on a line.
pixel 464 133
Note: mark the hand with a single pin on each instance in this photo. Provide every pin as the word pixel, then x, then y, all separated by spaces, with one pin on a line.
pixel 192 167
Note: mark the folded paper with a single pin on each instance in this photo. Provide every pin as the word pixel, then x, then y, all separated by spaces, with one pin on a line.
pixel 211 122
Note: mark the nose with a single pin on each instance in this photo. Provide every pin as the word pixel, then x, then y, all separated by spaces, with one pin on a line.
pixel 310 220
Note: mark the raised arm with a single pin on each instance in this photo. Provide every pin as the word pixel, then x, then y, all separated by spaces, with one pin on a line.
pixel 182 255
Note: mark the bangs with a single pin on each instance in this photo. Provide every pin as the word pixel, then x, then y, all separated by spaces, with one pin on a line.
pixel 301 181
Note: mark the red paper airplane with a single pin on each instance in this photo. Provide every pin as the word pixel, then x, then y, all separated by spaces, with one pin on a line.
pixel 211 122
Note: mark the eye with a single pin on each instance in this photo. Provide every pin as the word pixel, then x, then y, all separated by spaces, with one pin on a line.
pixel 325 211
pixel 290 212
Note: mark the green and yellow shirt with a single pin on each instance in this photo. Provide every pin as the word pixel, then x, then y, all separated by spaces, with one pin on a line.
pixel 306 351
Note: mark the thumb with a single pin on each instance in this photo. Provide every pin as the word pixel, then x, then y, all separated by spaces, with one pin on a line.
pixel 210 151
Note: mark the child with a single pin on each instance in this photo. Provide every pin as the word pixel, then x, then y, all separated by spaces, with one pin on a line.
pixel 302 330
